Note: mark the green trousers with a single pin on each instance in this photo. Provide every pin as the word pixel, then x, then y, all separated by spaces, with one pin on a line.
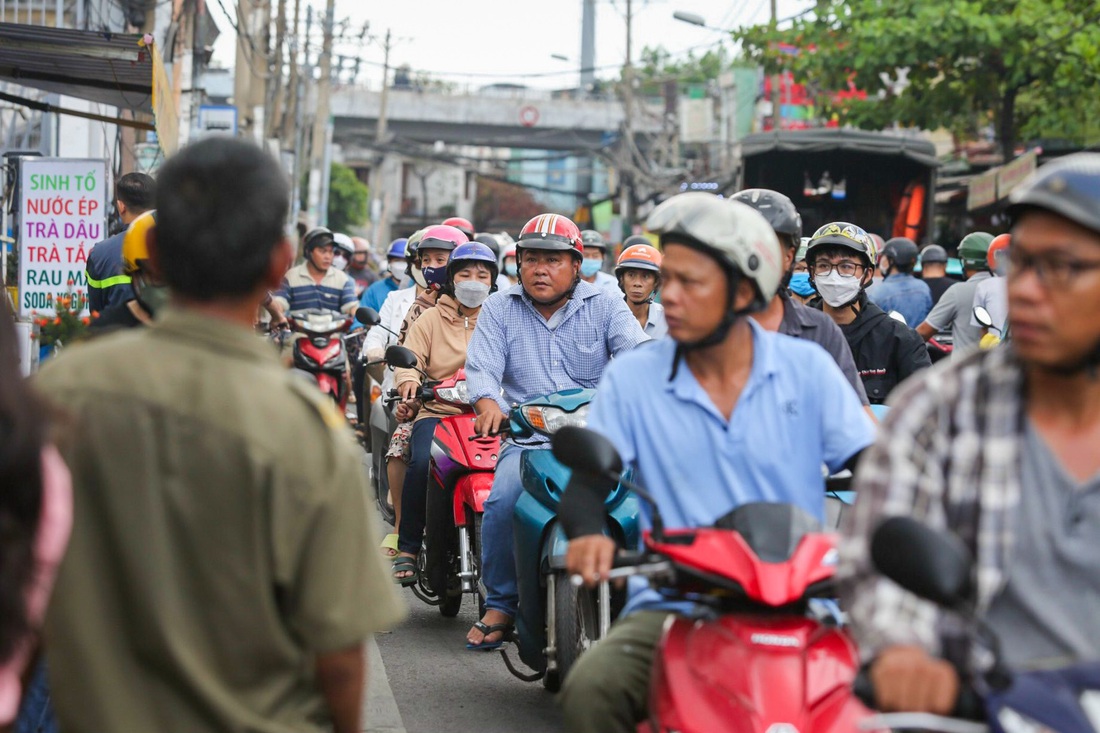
pixel 608 688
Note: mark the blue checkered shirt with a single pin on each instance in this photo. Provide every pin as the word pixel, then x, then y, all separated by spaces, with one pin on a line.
pixel 517 352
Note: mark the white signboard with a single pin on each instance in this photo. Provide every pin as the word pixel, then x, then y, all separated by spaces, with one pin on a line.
pixel 217 118
pixel 62 214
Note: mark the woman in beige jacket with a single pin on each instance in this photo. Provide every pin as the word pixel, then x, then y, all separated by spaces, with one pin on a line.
pixel 439 339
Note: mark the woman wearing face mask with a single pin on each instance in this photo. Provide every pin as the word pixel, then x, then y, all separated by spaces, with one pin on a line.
pixel 800 286
pixel 886 351
pixel 343 249
pixel 439 339
pixel 511 267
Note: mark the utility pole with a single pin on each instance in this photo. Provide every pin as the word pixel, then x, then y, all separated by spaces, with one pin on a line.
pixel 320 119
pixel 251 64
pixel 287 117
pixel 587 81
pixel 273 118
pixel 378 200
pixel 626 166
pixel 776 117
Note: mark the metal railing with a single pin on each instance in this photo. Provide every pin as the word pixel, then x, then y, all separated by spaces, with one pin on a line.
pixel 34 12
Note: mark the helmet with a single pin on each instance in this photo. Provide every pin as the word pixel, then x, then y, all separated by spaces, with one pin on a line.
pixel 877 245
pixel 738 236
pixel 997 257
pixel 902 252
pixel 343 243
pixel 639 257
pixel 973 250
pixel 510 251
pixel 412 244
pixel 933 253
pixel 489 240
pixel 800 255
pixel 361 244
pixel 636 239
pixel 1067 186
pixel 462 225
pixel 135 243
pixel 593 240
pixel 441 236
pixel 841 234
pixel 317 237
pixel 397 248
pixel 777 209
pixel 552 232
pixel 472 252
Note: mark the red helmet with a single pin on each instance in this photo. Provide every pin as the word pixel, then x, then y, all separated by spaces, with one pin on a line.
pixel 462 225
pixel 551 231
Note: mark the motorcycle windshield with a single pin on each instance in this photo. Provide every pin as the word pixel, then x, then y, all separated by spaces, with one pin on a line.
pixel 771 530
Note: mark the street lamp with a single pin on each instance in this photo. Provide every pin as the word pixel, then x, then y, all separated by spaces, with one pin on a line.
pixel 559 57
pixel 690 18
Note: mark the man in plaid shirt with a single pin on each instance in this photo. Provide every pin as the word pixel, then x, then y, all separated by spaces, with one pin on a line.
pixel 1000 449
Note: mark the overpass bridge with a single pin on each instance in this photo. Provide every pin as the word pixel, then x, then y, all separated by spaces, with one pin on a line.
pixel 490 117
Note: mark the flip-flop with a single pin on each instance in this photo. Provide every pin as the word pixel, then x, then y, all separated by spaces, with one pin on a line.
pixel 488 646
pixel 405 564
pixel 389 546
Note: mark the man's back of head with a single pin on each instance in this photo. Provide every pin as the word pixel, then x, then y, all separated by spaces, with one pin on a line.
pixel 221 209
pixel 136 192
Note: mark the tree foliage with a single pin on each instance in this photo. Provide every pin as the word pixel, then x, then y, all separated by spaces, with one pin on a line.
pixel 501 204
pixel 656 65
pixel 964 63
pixel 347 199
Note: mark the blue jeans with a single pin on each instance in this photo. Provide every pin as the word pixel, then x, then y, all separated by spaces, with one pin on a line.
pixel 498 559
pixel 36 713
pixel 414 492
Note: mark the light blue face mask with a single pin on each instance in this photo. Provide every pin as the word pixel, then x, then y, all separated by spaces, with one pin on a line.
pixel 590 267
pixel 510 269
pixel 801 285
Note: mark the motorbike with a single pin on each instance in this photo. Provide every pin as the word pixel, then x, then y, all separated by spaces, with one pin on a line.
pixel 556 621
pixel 380 426
pixel 459 480
pixel 321 352
pixel 936 566
pixel 753 656
pixel 990 339
pixel 940 346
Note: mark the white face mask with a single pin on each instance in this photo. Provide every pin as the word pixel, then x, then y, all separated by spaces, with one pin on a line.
pixel 837 290
pixel 471 294
pixel 340 262
pixel 398 269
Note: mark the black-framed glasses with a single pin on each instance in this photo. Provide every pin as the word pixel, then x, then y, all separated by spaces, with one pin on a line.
pixel 1054 271
pixel 846 269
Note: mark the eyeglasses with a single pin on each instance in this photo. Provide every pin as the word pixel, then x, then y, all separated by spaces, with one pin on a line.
pixel 1055 272
pixel 822 268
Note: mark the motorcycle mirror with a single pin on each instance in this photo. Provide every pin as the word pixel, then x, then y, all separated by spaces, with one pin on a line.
pixel 367 316
pixel 586 451
pixel 981 315
pixel 934 565
pixel 400 358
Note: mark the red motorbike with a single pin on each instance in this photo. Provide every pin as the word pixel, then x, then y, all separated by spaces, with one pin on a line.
pixel 459 480
pixel 320 352
pixel 753 657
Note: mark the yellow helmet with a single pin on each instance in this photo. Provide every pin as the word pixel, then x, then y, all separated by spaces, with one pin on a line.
pixel 135 245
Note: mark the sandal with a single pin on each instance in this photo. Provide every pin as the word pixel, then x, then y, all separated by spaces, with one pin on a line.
pixel 389 546
pixel 488 646
pixel 405 564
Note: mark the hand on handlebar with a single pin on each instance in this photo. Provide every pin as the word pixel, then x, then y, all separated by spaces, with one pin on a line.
pixel 908 679
pixel 408 390
pixel 590 557
pixel 490 418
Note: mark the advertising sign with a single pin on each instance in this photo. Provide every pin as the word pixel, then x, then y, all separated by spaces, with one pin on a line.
pixel 982 190
pixel 62 214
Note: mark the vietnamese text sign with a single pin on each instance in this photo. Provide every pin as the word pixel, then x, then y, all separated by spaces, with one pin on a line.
pixel 1012 175
pixel 61 215
pixel 982 190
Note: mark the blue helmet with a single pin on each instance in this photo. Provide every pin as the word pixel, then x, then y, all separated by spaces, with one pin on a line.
pixel 397 248
pixel 463 254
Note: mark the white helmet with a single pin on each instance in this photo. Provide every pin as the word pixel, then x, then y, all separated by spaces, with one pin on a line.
pixel 343 243
pixel 733 233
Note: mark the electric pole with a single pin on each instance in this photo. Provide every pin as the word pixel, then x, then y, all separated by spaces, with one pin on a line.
pixel 775 77
pixel 626 168
pixel 273 118
pixel 287 118
pixel 378 207
pixel 320 119
pixel 250 80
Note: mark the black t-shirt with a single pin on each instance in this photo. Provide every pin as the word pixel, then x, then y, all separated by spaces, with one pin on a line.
pixel 939 286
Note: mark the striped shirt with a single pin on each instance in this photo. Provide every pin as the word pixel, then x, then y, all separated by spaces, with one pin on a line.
pixel 517 351
pixel 948 454
pixel 300 291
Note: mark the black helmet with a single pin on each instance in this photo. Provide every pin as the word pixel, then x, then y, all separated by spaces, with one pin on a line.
pixel 636 239
pixel 1068 186
pixel 902 252
pixel 316 237
pixel 933 253
pixel 777 209
pixel 592 238
pixel 489 240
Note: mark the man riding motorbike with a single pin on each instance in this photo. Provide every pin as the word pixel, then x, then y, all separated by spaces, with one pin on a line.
pixel 639 273
pixel 721 414
pixel 899 290
pixel 954 309
pixel 595 252
pixel 359 268
pixel 396 268
pixel 999 449
pixel 550 332
pixel 316 283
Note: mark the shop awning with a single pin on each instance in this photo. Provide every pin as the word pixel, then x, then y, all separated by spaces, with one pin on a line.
pixel 120 69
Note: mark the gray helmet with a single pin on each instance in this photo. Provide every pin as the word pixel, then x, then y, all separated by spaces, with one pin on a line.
pixel 933 253
pixel 593 239
pixel 1069 187
pixel 901 251
pixel 777 209
pixel 489 240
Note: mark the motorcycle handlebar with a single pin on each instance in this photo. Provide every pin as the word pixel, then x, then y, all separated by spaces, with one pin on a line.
pixel 969 705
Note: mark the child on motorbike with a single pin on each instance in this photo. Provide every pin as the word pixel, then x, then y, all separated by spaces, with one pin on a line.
pixel 438 339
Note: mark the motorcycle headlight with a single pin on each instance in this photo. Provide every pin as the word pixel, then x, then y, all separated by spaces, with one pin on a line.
pixel 549 420
pixel 457 394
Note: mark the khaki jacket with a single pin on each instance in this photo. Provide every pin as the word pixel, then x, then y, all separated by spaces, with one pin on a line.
pixel 439 338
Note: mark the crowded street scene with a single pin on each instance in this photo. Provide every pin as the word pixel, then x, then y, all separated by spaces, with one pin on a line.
pixel 599 366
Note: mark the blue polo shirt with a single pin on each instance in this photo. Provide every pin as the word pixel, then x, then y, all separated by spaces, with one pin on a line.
pixel 796 412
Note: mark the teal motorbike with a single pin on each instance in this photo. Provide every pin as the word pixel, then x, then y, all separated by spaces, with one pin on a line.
pixel 558 621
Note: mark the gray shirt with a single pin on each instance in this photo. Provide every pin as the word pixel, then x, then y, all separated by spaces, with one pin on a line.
pixel 954 310
pixel 1046 614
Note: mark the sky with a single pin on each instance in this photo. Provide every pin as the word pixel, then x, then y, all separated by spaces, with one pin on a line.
pixel 472 43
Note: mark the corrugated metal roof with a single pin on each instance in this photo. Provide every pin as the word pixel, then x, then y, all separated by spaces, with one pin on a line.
pixel 110 68
pixel 808 141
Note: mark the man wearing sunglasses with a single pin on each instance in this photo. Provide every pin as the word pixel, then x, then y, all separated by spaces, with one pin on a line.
pixel 886 351
pixel 999 448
